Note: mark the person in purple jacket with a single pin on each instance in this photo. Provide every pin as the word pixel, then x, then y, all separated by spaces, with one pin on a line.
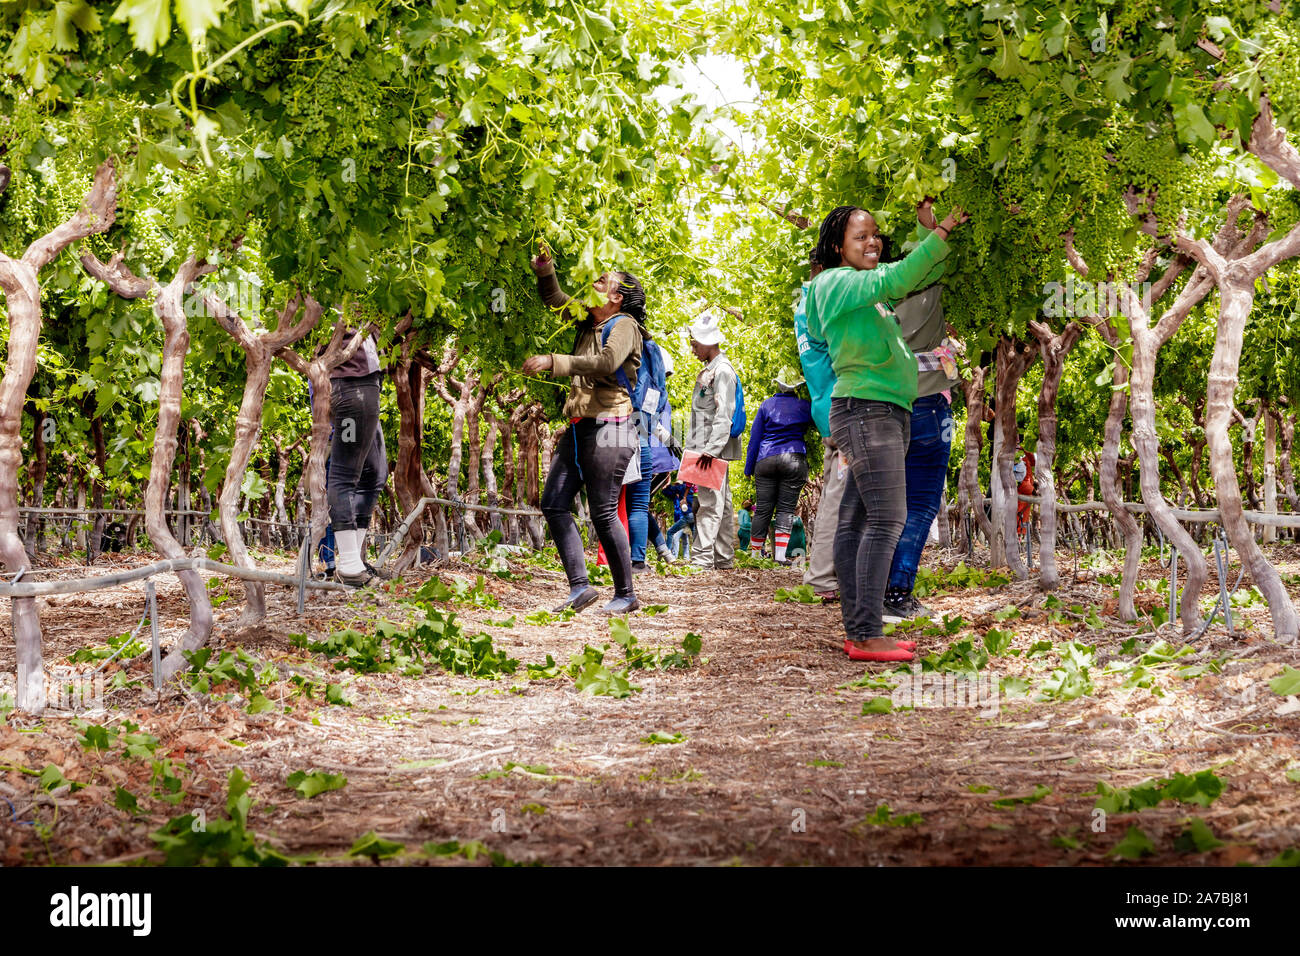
pixel 777 460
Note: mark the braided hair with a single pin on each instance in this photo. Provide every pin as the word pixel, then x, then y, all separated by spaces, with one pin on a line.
pixel 633 295
pixel 886 248
pixel 830 238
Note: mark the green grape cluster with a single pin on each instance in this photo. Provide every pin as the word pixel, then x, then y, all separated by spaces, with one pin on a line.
pixel 333 109
pixel 1155 167
pixel 21 212
pixel 148 241
pixel 1280 68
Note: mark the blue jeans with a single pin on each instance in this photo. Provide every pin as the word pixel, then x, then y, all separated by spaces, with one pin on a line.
pixel 655 534
pixel 873 437
pixel 927 473
pixel 681 532
pixel 638 505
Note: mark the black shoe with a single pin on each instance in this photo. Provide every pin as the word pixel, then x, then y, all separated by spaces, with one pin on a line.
pixel 584 599
pixel 639 567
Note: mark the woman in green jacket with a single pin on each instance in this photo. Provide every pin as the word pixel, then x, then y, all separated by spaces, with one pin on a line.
pixel 871 406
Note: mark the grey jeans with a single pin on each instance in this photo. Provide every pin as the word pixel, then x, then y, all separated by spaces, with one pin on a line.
pixel 873 437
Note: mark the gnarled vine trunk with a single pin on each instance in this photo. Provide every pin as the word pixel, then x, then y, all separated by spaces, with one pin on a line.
pixel 1013 359
pixel 1053 350
pixel 409 381
pixel 1237 293
pixel 19 278
pixel 1236 274
pixel 1110 489
pixel 259 350
pixel 969 494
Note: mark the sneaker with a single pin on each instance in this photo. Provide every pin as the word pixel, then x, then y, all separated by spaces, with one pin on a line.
pixel 903 608
pixel 639 567
pixel 916 609
pixel 622 605
pixel 828 597
pixel 363 580
pixel 377 572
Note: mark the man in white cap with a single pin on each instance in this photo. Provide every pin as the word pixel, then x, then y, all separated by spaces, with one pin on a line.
pixel 713 408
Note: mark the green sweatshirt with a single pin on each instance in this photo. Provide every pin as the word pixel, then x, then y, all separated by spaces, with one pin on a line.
pixel 870 357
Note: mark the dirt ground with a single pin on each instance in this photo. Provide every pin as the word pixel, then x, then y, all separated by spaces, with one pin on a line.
pixel 776 763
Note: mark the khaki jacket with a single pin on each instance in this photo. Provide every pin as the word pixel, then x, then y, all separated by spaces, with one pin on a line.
pixel 712 404
pixel 596 392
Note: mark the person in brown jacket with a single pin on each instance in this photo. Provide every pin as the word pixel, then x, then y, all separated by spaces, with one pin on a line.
pixel 601 440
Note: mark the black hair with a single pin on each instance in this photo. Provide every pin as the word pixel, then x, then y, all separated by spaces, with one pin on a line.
pixel 886 248
pixel 633 295
pixel 830 238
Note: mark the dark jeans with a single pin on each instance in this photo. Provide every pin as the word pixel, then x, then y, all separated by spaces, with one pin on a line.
pixel 778 480
pixel 595 454
pixel 927 473
pixel 358 459
pixel 873 437
pixel 638 504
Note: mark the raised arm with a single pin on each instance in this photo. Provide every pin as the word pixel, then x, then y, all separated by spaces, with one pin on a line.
pixel 548 284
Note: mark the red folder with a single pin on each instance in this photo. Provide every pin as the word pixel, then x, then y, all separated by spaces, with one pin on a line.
pixel 692 471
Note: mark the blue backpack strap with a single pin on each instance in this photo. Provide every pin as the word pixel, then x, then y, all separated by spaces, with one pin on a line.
pixel 605 330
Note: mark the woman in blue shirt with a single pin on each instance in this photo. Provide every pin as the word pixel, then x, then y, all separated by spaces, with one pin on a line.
pixel 777 460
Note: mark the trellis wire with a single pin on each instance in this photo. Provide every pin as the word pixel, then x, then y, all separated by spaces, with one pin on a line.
pixel 15 589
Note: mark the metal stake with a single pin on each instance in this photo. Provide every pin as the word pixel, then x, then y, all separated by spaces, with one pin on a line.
pixel 1173 584
pixel 1223 595
pixel 151 598
pixel 304 565
pixel 1221 562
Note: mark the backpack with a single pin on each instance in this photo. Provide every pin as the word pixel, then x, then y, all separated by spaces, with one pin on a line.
pixel 650 378
pixel 738 417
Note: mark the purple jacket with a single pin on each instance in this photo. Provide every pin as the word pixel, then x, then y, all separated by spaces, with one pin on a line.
pixel 778 428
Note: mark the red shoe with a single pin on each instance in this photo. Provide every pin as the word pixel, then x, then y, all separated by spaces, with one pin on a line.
pixel 906 645
pixel 828 597
pixel 888 656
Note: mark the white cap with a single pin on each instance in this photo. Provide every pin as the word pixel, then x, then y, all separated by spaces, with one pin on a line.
pixel 707 329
